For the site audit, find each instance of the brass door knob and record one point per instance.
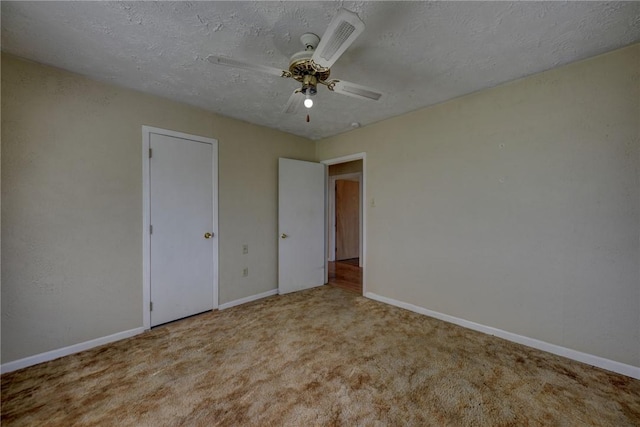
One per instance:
(284, 236)
(208, 235)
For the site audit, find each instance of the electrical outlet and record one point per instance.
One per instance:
(245, 249)
(245, 272)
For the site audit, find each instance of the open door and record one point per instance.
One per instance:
(301, 224)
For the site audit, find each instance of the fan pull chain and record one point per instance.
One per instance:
(307, 118)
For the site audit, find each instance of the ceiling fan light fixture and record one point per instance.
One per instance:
(308, 102)
(309, 90)
(309, 85)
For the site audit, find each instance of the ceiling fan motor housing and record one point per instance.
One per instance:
(303, 69)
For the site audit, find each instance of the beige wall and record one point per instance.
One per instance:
(516, 207)
(72, 209)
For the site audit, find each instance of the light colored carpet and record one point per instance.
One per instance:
(319, 357)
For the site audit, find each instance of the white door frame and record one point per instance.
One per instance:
(146, 215)
(356, 176)
(363, 223)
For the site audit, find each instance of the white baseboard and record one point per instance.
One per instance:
(590, 359)
(76, 348)
(247, 299)
(65, 351)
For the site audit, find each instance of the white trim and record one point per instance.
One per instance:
(146, 239)
(247, 299)
(590, 359)
(66, 351)
(356, 176)
(363, 195)
(327, 233)
(215, 230)
(146, 244)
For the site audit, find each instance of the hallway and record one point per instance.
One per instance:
(346, 274)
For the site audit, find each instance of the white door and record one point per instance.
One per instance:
(301, 221)
(182, 259)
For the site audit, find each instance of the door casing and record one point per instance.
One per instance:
(146, 217)
(363, 220)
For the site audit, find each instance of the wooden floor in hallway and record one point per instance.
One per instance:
(346, 274)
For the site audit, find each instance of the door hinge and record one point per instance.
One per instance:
(151, 229)
(150, 153)
(150, 306)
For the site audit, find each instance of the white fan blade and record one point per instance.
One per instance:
(294, 102)
(221, 60)
(355, 90)
(341, 33)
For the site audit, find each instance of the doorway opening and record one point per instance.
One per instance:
(345, 222)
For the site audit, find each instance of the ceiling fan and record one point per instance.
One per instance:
(312, 66)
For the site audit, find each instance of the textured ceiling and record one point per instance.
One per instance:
(417, 53)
